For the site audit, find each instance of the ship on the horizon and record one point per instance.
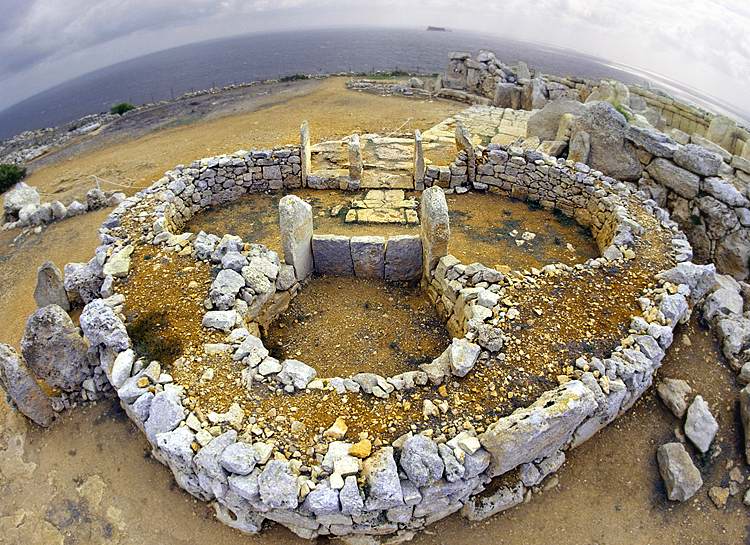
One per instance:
(437, 29)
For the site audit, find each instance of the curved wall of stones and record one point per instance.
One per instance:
(415, 481)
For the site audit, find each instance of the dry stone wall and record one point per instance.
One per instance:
(417, 479)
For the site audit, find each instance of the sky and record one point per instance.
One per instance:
(704, 44)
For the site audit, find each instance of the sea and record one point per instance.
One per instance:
(172, 72)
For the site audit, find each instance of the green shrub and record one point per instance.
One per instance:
(10, 175)
(294, 77)
(121, 108)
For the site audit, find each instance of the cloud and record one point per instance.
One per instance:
(703, 43)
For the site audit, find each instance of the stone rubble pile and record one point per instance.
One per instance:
(22, 206)
(359, 488)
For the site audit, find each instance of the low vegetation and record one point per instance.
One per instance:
(10, 175)
(121, 108)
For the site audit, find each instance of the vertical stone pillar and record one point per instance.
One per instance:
(419, 166)
(463, 142)
(296, 226)
(304, 151)
(50, 289)
(436, 231)
(355, 159)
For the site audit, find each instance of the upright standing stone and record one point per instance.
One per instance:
(305, 153)
(50, 289)
(419, 166)
(463, 142)
(55, 350)
(435, 227)
(355, 158)
(21, 386)
(296, 226)
(745, 418)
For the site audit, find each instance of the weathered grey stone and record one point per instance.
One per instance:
(421, 460)
(681, 181)
(653, 141)
(50, 289)
(482, 507)
(464, 143)
(323, 500)
(435, 228)
(700, 424)
(296, 226)
(579, 148)
(699, 278)
(225, 288)
(539, 430)
(355, 158)
(246, 486)
(454, 470)
(745, 418)
(20, 384)
(305, 153)
(368, 256)
(698, 159)
(82, 282)
(223, 320)
(722, 303)
(238, 458)
(296, 373)
(681, 478)
(381, 475)
(177, 447)
(233, 260)
(286, 278)
(674, 393)
(546, 122)
(54, 349)
(419, 164)
(463, 356)
(350, 497)
(403, 258)
(122, 368)
(733, 254)
(609, 151)
(16, 198)
(101, 326)
(332, 255)
(165, 414)
(278, 486)
(118, 264)
(725, 192)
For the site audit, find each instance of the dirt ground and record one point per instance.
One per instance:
(90, 479)
(261, 121)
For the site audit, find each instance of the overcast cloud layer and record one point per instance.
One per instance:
(701, 43)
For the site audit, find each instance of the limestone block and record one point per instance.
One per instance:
(332, 255)
(19, 382)
(50, 289)
(368, 256)
(296, 226)
(403, 258)
(419, 164)
(539, 430)
(435, 228)
(356, 165)
(305, 152)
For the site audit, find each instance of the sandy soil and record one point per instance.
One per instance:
(260, 121)
(90, 479)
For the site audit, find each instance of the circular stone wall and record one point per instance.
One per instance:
(540, 359)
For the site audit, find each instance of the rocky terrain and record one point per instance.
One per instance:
(616, 314)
